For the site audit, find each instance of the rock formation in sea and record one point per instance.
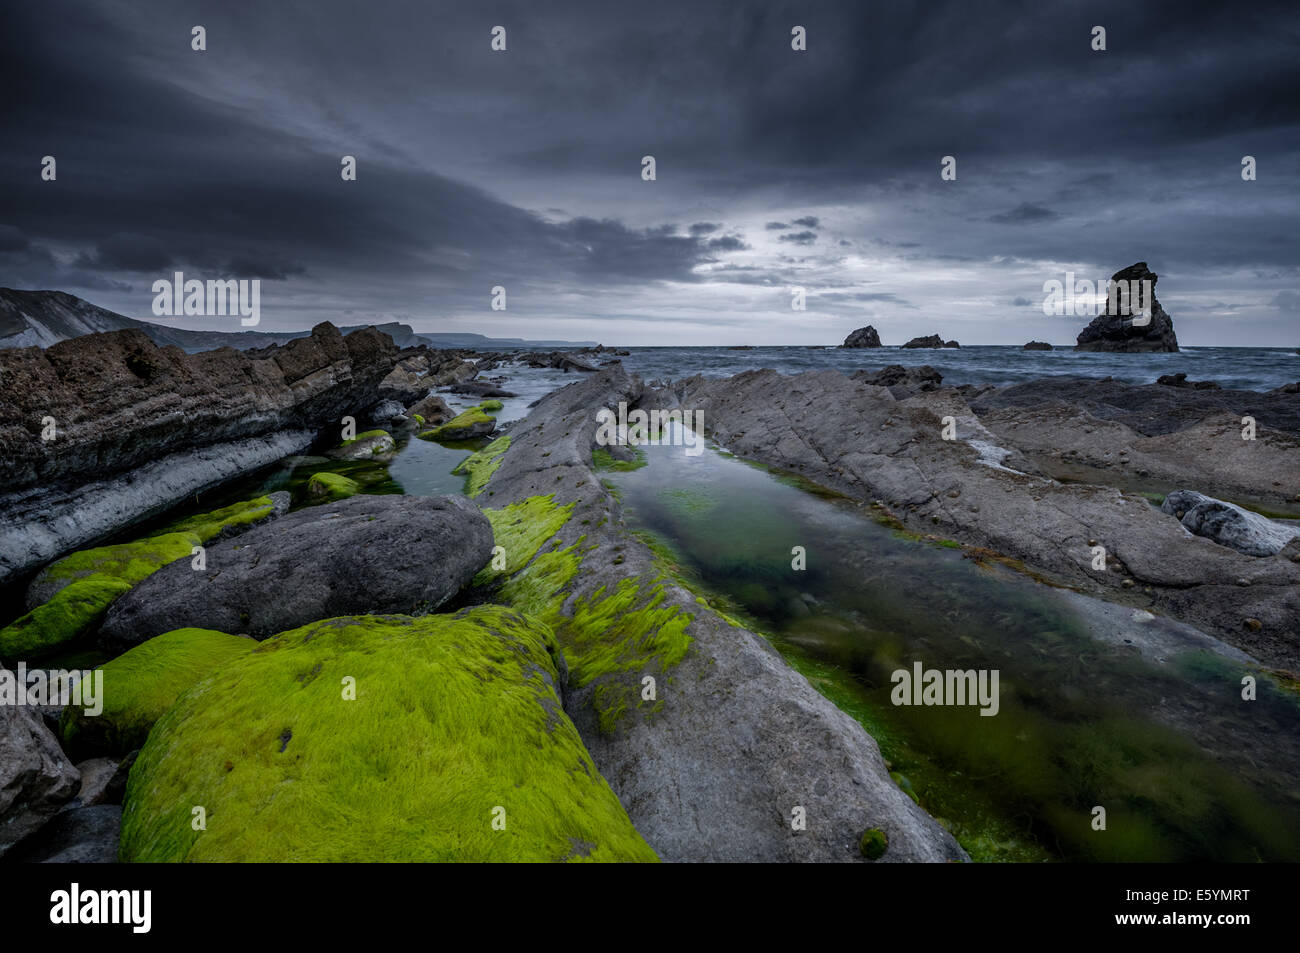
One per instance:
(932, 340)
(1037, 346)
(862, 337)
(1130, 322)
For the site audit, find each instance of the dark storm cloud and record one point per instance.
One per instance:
(1026, 213)
(522, 168)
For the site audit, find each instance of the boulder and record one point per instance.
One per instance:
(334, 486)
(457, 723)
(481, 389)
(145, 682)
(36, 777)
(1228, 525)
(1122, 327)
(467, 425)
(433, 410)
(372, 445)
(862, 337)
(365, 554)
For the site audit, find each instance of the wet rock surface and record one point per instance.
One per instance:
(366, 554)
(740, 738)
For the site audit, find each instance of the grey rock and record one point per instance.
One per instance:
(1227, 524)
(902, 381)
(433, 409)
(36, 777)
(366, 554)
(712, 776)
(1114, 329)
(1180, 380)
(862, 337)
(1037, 346)
(476, 389)
(97, 778)
(387, 410)
(85, 835)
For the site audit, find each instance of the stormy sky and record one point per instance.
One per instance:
(775, 168)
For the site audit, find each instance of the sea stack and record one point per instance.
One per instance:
(862, 337)
(932, 341)
(1115, 329)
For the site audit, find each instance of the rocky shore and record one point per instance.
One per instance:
(1044, 474)
(408, 637)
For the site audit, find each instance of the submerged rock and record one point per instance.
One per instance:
(332, 486)
(1180, 380)
(862, 337)
(1228, 525)
(1120, 327)
(454, 747)
(364, 554)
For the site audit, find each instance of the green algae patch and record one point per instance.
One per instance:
(75, 609)
(522, 528)
(873, 843)
(492, 405)
(468, 423)
(379, 738)
(331, 486)
(140, 685)
(479, 467)
(207, 526)
(102, 574)
(363, 436)
(604, 460)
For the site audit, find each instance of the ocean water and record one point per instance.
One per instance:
(1235, 368)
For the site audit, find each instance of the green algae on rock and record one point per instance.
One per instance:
(473, 422)
(479, 467)
(331, 486)
(73, 593)
(379, 738)
(142, 684)
(873, 843)
(76, 609)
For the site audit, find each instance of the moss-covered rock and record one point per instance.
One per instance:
(75, 610)
(69, 597)
(331, 486)
(466, 425)
(142, 684)
(371, 445)
(454, 723)
(612, 637)
(492, 404)
(479, 467)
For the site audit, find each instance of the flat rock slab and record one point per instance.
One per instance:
(367, 554)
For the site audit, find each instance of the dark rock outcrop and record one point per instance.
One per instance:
(366, 554)
(1180, 380)
(150, 426)
(1037, 346)
(1121, 327)
(862, 337)
(902, 381)
(932, 340)
(84, 835)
